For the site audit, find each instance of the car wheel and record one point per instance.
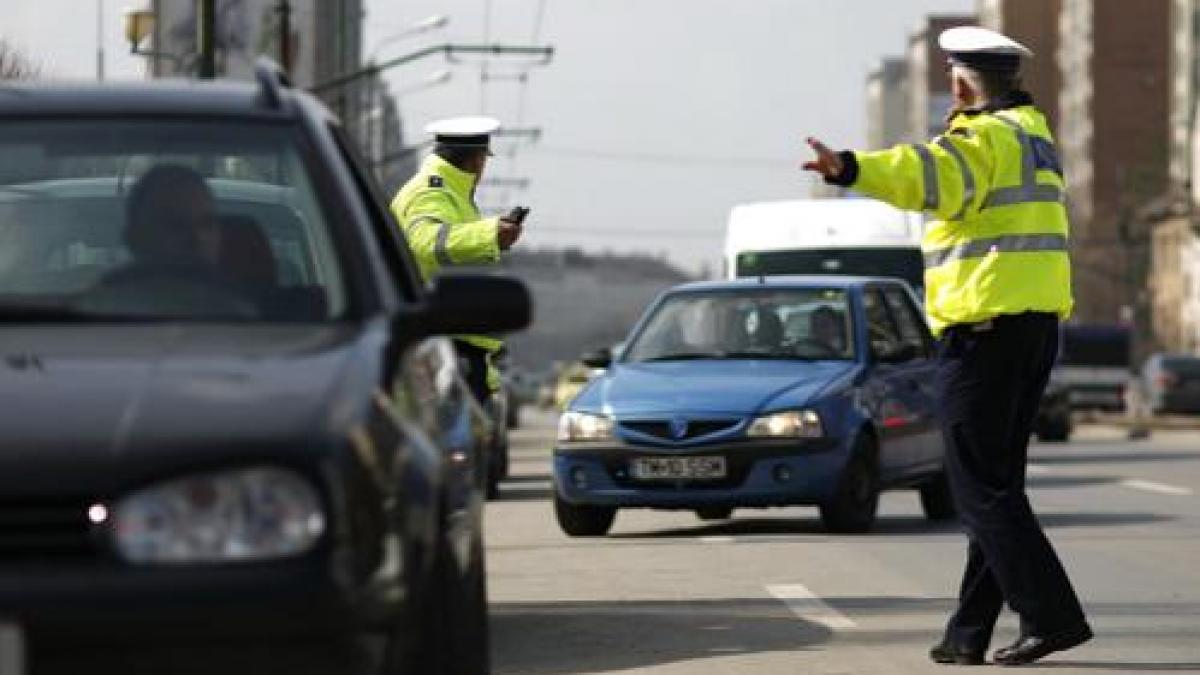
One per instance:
(448, 635)
(852, 508)
(578, 520)
(936, 499)
(714, 513)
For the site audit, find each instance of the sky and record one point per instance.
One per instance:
(657, 116)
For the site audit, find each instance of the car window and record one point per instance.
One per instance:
(911, 326)
(188, 220)
(810, 323)
(882, 334)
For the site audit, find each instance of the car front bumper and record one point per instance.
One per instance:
(761, 473)
(106, 603)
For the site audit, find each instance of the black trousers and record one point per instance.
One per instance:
(475, 360)
(989, 384)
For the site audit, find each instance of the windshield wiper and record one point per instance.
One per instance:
(764, 355)
(685, 356)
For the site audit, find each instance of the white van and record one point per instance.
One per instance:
(861, 237)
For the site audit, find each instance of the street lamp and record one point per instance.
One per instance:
(428, 24)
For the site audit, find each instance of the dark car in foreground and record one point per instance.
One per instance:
(230, 438)
(778, 391)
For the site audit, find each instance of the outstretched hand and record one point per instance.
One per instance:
(827, 162)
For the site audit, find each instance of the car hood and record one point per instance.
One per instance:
(738, 387)
(88, 396)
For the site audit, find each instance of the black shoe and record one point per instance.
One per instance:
(1030, 648)
(944, 652)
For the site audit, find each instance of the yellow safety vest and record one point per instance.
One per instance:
(436, 208)
(997, 243)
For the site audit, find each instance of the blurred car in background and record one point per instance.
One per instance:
(1171, 383)
(1053, 423)
(766, 392)
(1094, 364)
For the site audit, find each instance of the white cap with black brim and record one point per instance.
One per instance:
(983, 49)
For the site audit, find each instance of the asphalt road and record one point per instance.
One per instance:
(771, 592)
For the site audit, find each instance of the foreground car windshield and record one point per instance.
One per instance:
(805, 324)
(160, 219)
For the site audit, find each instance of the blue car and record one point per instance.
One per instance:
(776, 391)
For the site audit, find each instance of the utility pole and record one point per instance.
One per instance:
(100, 40)
(285, 35)
(206, 38)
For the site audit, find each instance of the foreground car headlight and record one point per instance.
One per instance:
(789, 424)
(234, 516)
(580, 426)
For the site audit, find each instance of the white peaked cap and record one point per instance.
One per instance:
(973, 40)
(462, 127)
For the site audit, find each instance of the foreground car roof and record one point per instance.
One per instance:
(162, 97)
(806, 281)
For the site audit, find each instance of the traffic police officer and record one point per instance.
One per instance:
(998, 280)
(437, 210)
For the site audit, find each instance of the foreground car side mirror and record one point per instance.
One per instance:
(470, 303)
(599, 358)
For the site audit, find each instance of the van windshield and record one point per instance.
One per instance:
(898, 262)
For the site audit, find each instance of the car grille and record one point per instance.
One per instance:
(41, 529)
(695, 428)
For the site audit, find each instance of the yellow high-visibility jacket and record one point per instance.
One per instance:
(436, 208)
(997, 241)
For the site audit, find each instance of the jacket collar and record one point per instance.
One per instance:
(456, 179)
(1013, 99)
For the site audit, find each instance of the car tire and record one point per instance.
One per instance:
(852, 508)
(448, 634)
(714, 513)
(580, 520)
(936, 500)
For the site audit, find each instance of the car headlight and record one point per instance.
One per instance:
(789, 424)
(580, 426)
(245, 515)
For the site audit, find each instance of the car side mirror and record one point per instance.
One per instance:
(600, 358)
(470, 303)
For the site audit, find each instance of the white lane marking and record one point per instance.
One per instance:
(526, 487)
(1161, 488)
(1037, 470)
(717, 539)
(806, 605)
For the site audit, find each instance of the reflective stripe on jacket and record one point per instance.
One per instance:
(997, 241)
(436, 208)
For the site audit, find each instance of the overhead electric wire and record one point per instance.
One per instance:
(724, 161)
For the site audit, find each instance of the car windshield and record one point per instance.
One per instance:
(805, 324)
(158, 219)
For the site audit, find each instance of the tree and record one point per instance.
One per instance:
(14, 65)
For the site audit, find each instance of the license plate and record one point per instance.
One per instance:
(678, 468)
(12, 649)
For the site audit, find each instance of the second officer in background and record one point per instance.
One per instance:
(437, 210)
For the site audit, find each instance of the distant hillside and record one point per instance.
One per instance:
(583, 300)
